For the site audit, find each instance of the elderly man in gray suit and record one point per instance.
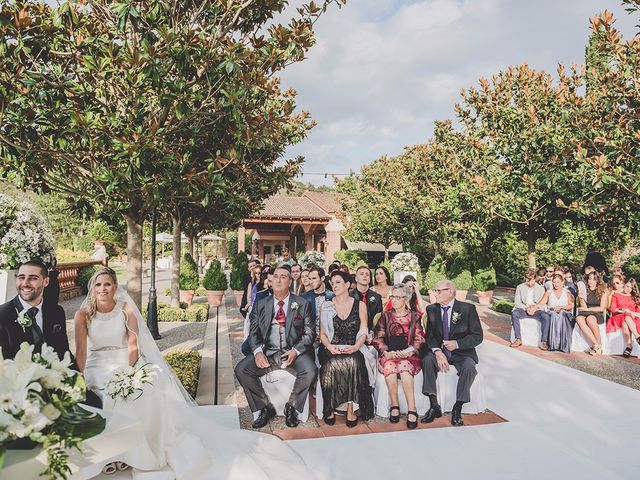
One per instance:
(282, 330)
(528, 294)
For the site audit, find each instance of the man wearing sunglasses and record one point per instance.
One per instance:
(453, 335)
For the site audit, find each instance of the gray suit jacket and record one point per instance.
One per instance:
(520, 300)
(300, 329)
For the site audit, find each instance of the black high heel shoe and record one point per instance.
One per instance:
(352, 423)
(330, 421)
(394, 418)
(412, 424)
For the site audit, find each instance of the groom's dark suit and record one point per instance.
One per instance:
(464, 328)
(299, 334)
(54, 329)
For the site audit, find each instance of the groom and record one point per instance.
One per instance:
(282, 330)
(453, 335)
(43, 322)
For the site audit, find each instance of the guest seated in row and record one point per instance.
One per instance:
(616, 285)
(304, 281)
(399, 336)
(528, 294)
(345, 377)
(581, 285)
(383, 285)
(541, 276)
(625, 314)
(559, 304)
(417, 303)
(592, 309)
(371, 300)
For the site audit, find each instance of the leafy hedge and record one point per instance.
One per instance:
(197, 312)
(503, 306)
(84, 275)
(186, 365)
(631, 267)
(351, 258)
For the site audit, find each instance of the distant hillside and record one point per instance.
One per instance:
(299, 188)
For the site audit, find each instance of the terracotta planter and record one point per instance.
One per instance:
(484, 298)
(214, 297)
(432, 296)
(461, 295)
(186, 296)
(238, 294)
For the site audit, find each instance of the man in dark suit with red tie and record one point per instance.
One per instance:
(454, 331)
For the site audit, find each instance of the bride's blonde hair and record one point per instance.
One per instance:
(92, 305)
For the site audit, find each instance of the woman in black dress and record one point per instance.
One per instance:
(343, 372)
(592, 310)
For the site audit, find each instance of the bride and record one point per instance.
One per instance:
(181, 441)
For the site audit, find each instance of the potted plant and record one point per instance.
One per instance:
(484, 281)
(404, 264)
(239, 273)
(189, 279)
(460, 275)
(437, 271)
(215, 281)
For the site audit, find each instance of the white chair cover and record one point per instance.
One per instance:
(530, 331)
(616, 344)
(381, 396)
(447, 383)
(579, 342)
(278, 385)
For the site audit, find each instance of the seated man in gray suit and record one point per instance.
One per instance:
(528, 294)
(282, 329)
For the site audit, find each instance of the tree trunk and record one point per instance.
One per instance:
(531, 246)
(192, 246)
(386, 253)
(134, 258)
(175, 268)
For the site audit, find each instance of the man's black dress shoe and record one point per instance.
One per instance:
(432, 414)
(266, 414)
(456, 417)
(290, 415)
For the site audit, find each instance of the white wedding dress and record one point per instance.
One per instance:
(181, 442)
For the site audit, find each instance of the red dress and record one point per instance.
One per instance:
(414, 333)
(619, 300)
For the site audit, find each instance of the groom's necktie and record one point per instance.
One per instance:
(445, 329)
(38, 336)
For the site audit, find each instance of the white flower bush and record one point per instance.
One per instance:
(405, 262)
(24, 234)
(312, 257)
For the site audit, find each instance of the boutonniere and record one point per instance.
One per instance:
(455, 317)
(295, 306)
(372, 299)
(24, 320)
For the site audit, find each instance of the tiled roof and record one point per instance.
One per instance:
(282, 206)
(327, 201)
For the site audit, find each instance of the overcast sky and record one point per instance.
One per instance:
(383, 70)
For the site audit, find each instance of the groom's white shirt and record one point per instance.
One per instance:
(26, 306)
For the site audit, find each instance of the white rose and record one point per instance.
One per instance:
(50, 411)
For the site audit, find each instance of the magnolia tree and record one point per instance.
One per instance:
(133, 103)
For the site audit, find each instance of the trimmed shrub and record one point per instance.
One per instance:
(200, 292)
(503, 306)
(189, 279)
(484, 279)
(437, 271)
(197, 312)
(186, 366)
(463, 281)
(351, 258)
(84, 275)
(239, 271)
(215, 279)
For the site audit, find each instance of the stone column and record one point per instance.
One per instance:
(240, 239)
(334, 230)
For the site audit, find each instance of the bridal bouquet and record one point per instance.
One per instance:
(38, 397)
(312, 257)
(128, 381)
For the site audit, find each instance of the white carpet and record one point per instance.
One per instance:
(563, 424)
